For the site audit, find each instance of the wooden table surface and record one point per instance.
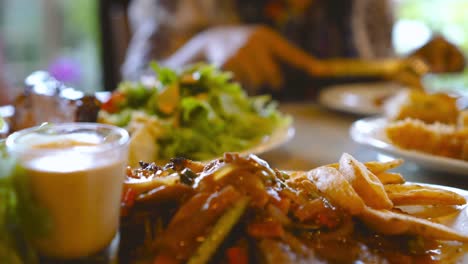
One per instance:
(321, 136)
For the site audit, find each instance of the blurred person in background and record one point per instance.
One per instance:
(274, 44)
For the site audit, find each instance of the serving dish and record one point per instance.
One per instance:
(370, 132)
(197, 113)
(272, 216)
(358, 98)
(280, 136)
(453, 218)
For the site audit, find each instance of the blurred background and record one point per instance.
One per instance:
(83, 42)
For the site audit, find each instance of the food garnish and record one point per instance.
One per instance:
(237, 209)
(198, 113)
(21, 218)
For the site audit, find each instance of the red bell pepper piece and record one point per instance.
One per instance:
(237, 255)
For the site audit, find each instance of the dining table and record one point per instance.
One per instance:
(322, 136)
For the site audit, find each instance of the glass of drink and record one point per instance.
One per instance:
(76, 172)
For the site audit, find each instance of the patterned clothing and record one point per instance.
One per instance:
(324, 28)
(318, 29)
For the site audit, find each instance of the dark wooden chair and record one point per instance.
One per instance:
(115, 36)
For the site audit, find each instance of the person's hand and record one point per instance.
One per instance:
(441, 56)
(252, 53)
(410, 72)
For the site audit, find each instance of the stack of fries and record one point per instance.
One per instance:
(371, 193)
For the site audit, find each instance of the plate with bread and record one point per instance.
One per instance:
(429, 129)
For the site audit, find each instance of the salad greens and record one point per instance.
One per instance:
(21, 220)
(197, 113)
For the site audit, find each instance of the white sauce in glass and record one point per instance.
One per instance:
(82, 195)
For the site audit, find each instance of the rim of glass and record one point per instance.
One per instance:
(122, 138)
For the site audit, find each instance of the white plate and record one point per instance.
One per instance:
(358, 98)
(280, 136)
(370, 132)
(140, 150)
(455, 218)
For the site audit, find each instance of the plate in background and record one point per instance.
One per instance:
(279, 136)
(370, 132)
(358, 98)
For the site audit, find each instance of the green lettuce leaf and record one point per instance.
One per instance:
(21, 218)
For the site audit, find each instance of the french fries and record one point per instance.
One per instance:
(369, 192)
(336, 188)
(391, 223)
(381, 167)
(414, 194)
(366, 184)
(390, 178)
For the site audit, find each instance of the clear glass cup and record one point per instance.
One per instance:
(76, 172)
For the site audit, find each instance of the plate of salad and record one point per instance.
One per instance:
(197, 113)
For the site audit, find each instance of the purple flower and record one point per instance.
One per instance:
(65, 70)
